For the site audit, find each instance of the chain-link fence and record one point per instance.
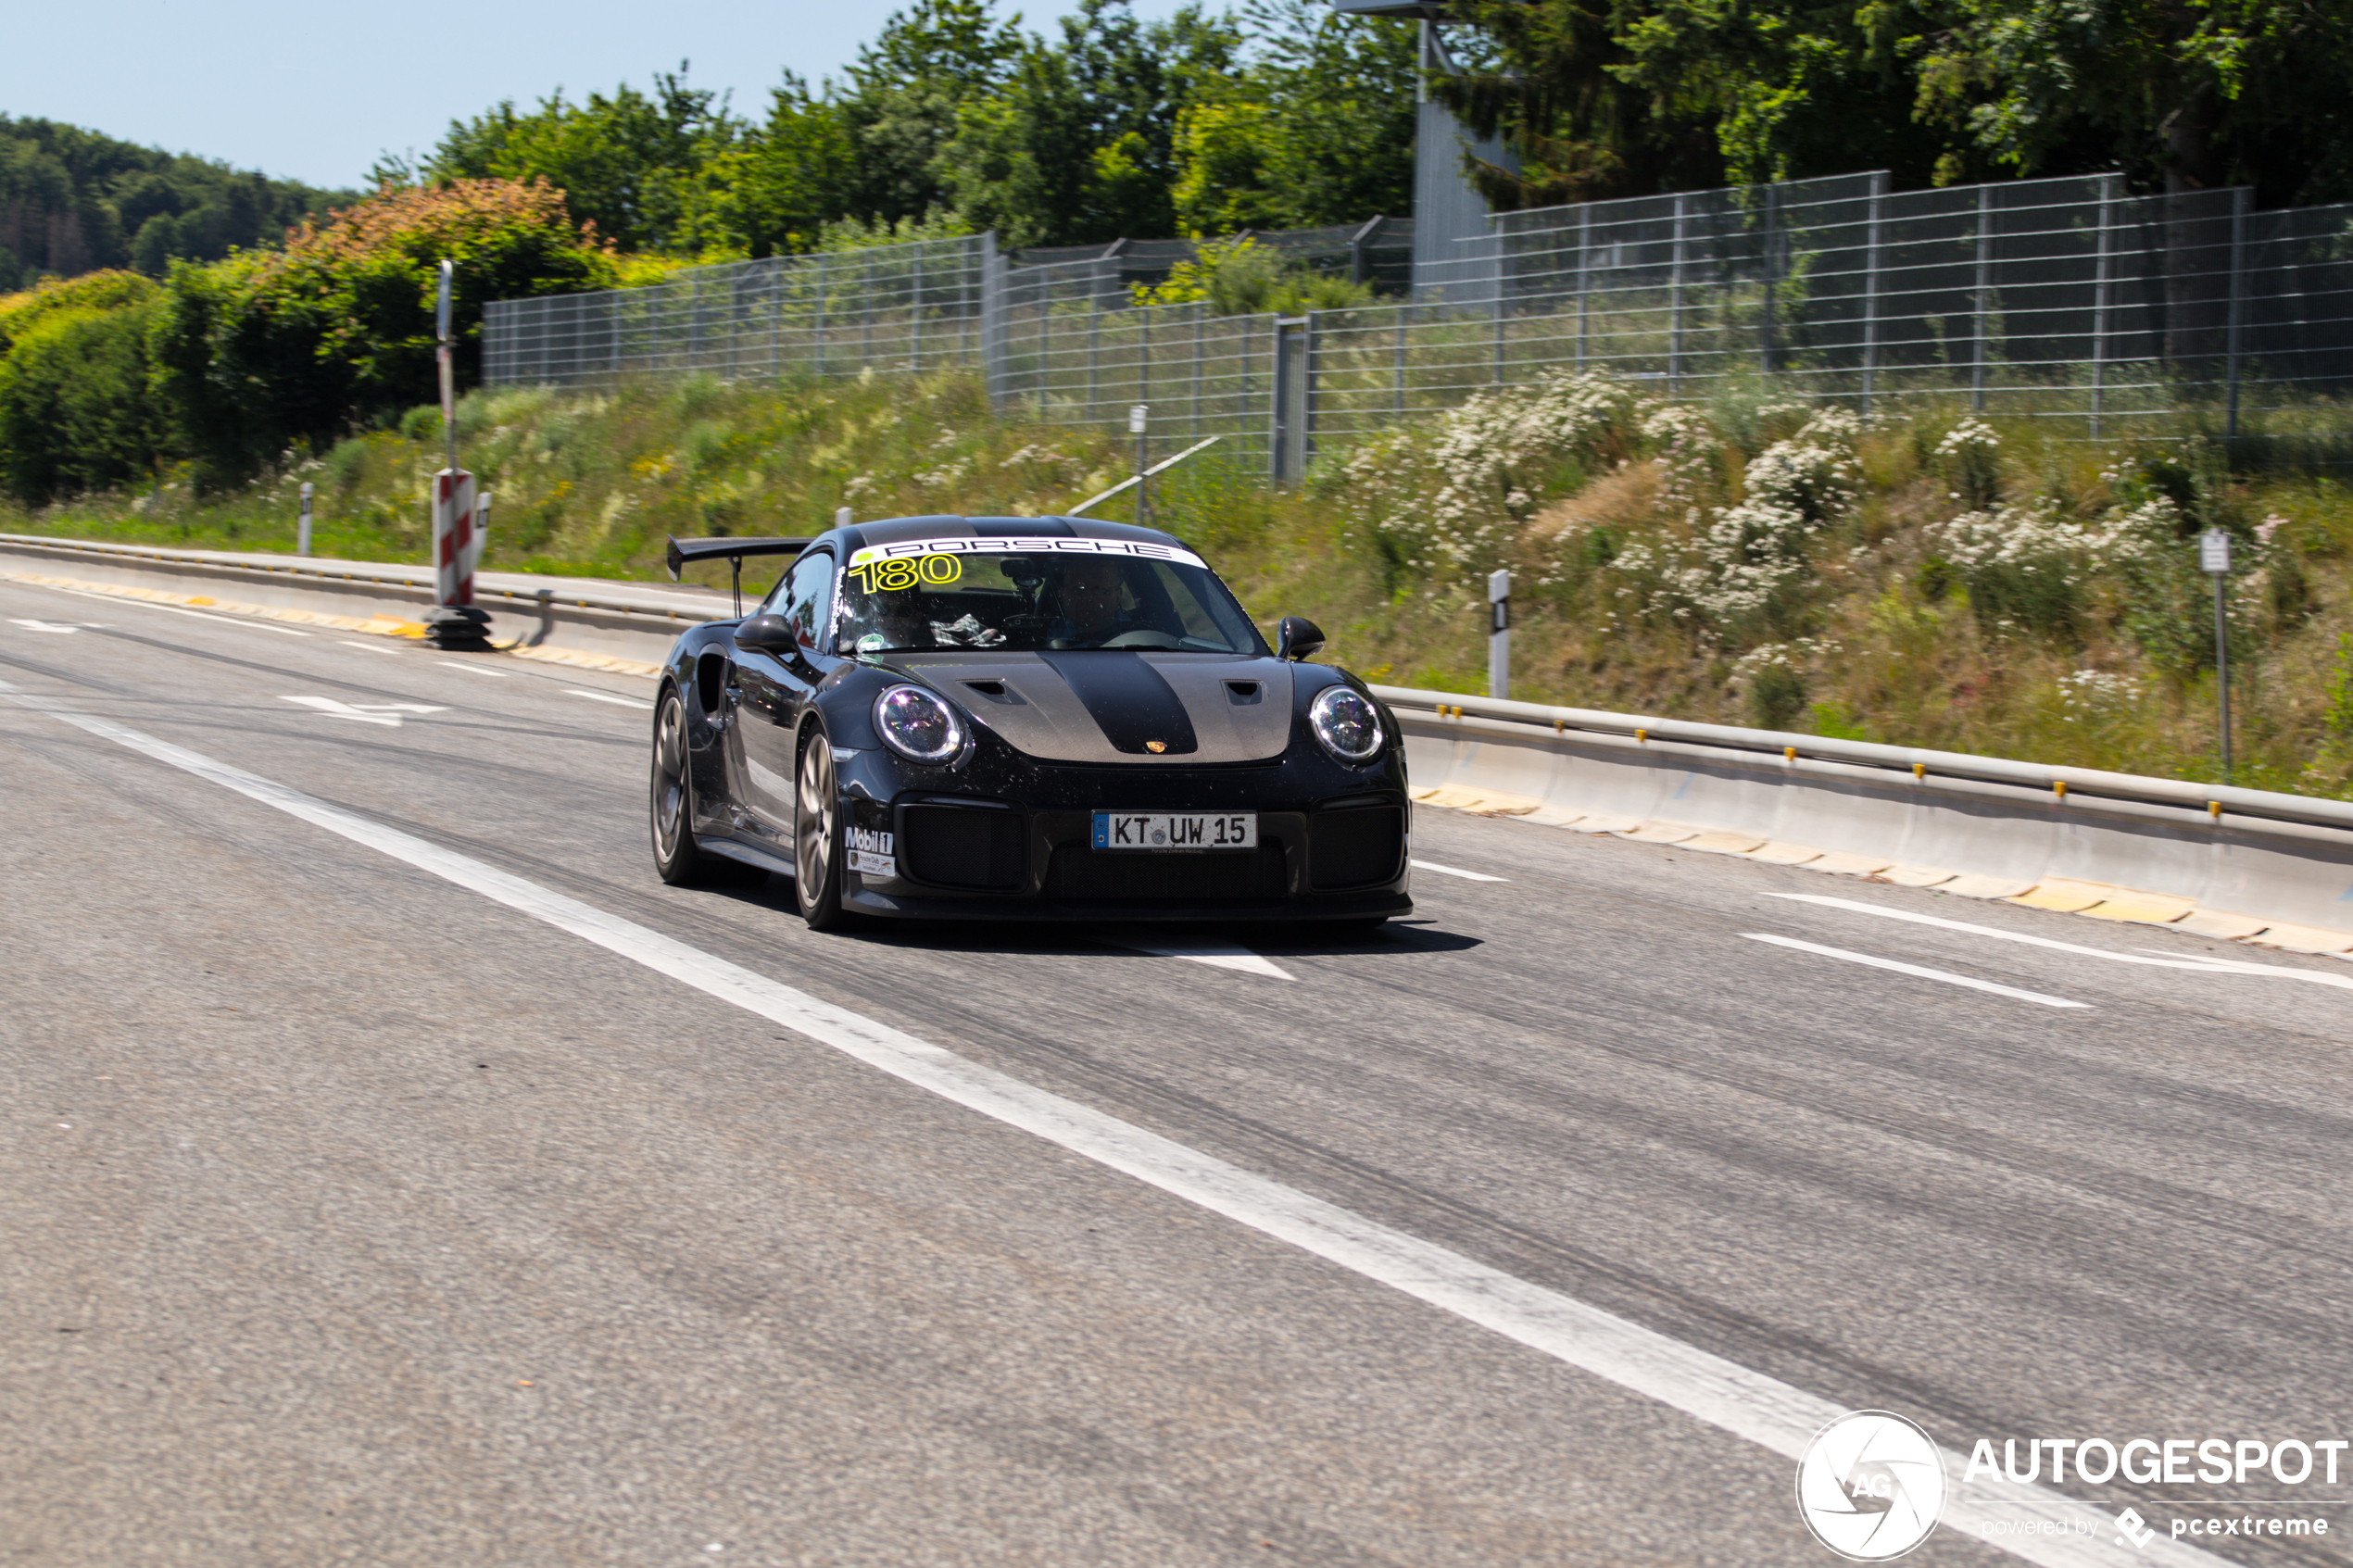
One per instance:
(2056, 298)
(892, 307)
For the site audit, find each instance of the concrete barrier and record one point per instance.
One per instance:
(2248, 864)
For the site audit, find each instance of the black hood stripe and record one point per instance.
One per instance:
(1128, 700)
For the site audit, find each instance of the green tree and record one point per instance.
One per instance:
(630, 163)
(72, 200)
(770, 189)
(1080, 144)
(1794, 88)
(904, 99)
(1317, 128)
(2182, 94)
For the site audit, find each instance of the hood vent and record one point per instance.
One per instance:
(1243, 692)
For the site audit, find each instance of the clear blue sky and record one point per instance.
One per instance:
(315, 92)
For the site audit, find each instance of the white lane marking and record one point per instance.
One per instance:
(42, 626)
(1946, 976)
(473, 668)
(606, 697)
(175, 609)
(1217, 955)
(385, 713)
(1748, 1404)
(2196, 962)
(1457, 870)
(371, 647)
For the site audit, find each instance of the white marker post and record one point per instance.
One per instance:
(457, 543)
(1499, 634)
(302, 530)
(2214, 559)
(1138, 417)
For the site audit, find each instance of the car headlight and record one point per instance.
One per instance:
(1346, 722)
(919, 725)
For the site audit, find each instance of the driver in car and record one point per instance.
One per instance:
(1088, 598)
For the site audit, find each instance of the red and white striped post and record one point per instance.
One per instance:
(457, 539)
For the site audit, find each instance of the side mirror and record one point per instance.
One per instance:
(1297, 638)
(768, 633)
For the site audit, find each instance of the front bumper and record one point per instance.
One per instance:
(1332, 846)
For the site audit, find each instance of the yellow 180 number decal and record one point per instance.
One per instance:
(924, 571)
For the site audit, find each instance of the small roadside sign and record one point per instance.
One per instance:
(2214, 551)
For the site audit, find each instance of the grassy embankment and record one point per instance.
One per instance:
(1993, 586)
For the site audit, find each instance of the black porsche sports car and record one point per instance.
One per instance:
(1032, 718)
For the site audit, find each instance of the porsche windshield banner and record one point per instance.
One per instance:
(1010, 545)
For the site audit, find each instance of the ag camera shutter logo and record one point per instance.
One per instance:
(1870, 1485)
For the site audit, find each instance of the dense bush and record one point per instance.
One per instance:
(75, 411)
(231, 363)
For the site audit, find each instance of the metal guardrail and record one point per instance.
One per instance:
(619, 599)
(1525, 721)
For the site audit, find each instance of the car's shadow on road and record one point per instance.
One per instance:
(1300, 940)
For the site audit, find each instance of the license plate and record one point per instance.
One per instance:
(1175, 829)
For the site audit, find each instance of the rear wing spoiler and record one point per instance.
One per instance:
(733, 551)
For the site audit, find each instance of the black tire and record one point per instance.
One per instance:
(678, 860)
(817, 837)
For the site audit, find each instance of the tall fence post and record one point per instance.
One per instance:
(993, 368)
(1309, 369)
(867, 315)
(1495, 370)
(1985, 291)
(1675, 315)
(1201, 360)
(1772, 264)
(1094, 351)
(779, 269)
(1584, 277)
(1873, 239)
(2234, 343)
(916, 319)
(824, 297)
(1403, 312)
(2100, 298)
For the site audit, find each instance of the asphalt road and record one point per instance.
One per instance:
(349, 1215)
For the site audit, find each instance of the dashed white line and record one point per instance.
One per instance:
(385, 713)
(175, 609)
(1217, 955)
(2196, 962)
(42, 626)
(1457, 871)
(472, 669)
(1748, 1404)
(371, 647)
(1925, 974)
(606, 697)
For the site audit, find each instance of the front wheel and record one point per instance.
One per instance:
(817, 852)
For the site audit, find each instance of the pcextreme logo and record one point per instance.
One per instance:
(1870, 1485)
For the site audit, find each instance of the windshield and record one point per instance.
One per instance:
(930, 594)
